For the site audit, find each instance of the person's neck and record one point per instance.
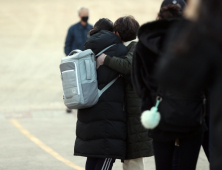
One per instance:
(83, 23)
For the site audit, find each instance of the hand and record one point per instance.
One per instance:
(100, 60)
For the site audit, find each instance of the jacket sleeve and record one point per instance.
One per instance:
(68, 42)
(139, 84)
(121, 65)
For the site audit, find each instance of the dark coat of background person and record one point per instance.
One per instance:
(152, 39)
(199, 67)
(76, 37)
(101, 129)
(138, 143)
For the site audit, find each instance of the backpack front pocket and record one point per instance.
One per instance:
(69, 84)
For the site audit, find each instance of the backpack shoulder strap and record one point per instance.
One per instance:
(107, 86)
(104, 50)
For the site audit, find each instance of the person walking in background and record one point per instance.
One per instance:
(138, 144)
(194, 62)
(182, 116)
(101, 130)
(78, 34)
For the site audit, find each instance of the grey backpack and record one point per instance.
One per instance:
(79, 79)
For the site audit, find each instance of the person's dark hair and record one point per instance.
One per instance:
(102, 24)
(170, 11)
(182, 3)
(208, 24)
(127, 27)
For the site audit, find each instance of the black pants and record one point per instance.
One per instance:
(176, 158)
(99, 163)
(188, 153)
(206, 138)
(205, 144)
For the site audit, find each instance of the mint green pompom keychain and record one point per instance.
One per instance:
(151, 118)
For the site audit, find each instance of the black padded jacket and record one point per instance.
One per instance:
(101, 129)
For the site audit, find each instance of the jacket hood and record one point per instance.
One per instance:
(153, 34)
(101, 40)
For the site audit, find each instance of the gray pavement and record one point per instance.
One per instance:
(54, 128)
(32, 35)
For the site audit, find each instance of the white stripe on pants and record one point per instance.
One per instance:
(106, 164)
(133, 164)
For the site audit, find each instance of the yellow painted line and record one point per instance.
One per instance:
(43, 146)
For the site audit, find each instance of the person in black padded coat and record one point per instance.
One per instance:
(175, 109)
(194, 62)
(101, 129)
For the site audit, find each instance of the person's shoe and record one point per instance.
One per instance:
(68, 110)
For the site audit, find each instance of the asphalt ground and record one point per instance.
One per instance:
(35, 131)
(44, 139)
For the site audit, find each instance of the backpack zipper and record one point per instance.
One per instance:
(77, 78)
